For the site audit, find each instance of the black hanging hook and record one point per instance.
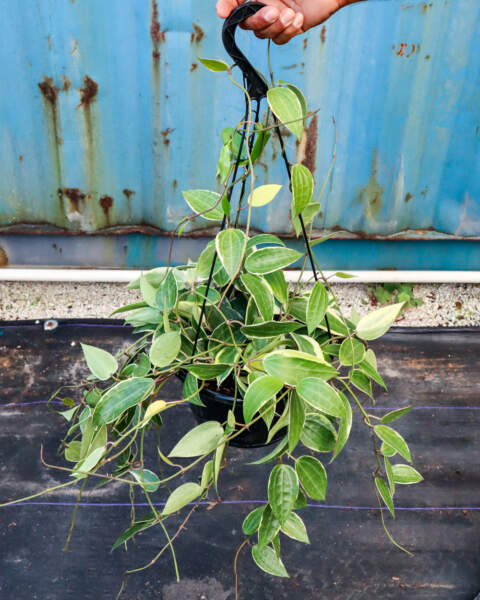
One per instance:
(256, 86)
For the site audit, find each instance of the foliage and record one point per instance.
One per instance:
(385, 293)
(271, 345)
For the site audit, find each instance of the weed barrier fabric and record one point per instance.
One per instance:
(436, 370)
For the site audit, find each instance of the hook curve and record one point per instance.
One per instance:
(256, 86)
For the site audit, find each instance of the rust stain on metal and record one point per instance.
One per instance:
(311, 134)
(174, 184)
(194, 67)
(427, 57)
(89, 91)
(128, 193)
(412, 51)
(408, 197)
(76, 198)
(106, 202)
(67, 84)
(197, 35)
(305, 43)
(50, 96)
(20, 158)
(371, 195)
(425, 6)
(156, 34)
(323, 34)
(166, 136)
(3, 258)
(401, 49)
(294, 66)
(49, 90)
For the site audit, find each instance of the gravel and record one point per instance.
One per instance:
(443, 304)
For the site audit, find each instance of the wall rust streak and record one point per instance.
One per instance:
(323, 34)
(311, 145)
(371, 195)
(106, 202)
(156, 34)
(76, 199)
(88, 95)
(408, 197)
(50, 105)
(197, 35)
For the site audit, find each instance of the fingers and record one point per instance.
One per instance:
(225, 7)
(291, 31)
(262, 19)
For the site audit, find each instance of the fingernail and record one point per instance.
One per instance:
(287, 17)
(270, 15)
(298, 21)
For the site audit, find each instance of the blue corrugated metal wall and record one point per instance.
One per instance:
(105, 115)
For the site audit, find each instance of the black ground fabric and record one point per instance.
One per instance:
(437, 371)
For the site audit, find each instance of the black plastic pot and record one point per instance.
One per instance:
(216, 408)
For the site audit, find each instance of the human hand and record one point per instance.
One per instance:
(281, 20)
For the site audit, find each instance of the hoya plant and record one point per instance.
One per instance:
(291, 365)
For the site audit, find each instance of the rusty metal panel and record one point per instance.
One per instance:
(105, 115)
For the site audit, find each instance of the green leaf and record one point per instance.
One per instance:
(302, 188)
(167, 293)
(268, 260)
(267, 559)
(301, 501)
(207, 474)
(395, 414)
(206, 371)
(387, 450)
(101, 363)
(317, 306)
(140, 525)
(270, 329)
(312, 476)
(230, 244)
(389, 473)
(292, 366)
(129, 307)
(214, 65)
(264, 238)
(296, 421)
(185, 493)
(299, 95)
(352, 352)
(263, 194)
(261, 293)
(252, 521)
(205, 261)
(200, 440)
(361, 381)
(88, 465)
(371, 371)
(165, 348)
(258, 394)
(287, 108)
(275, 453)
(200, 201)
(321, 396)
(345, 427)
(393, 439)
(378, 322)
(269, 527)
(73, 451)
(384, 492)
(279, 285)
(307, 344)
(149, 292)
(142, 366)
(148, 480)
(282, 491)
(318, 433)
(342, 275)
(68, 414)
(190, 390)
(120, 398)
(295, 528)
(217, 464)
(405, 475)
